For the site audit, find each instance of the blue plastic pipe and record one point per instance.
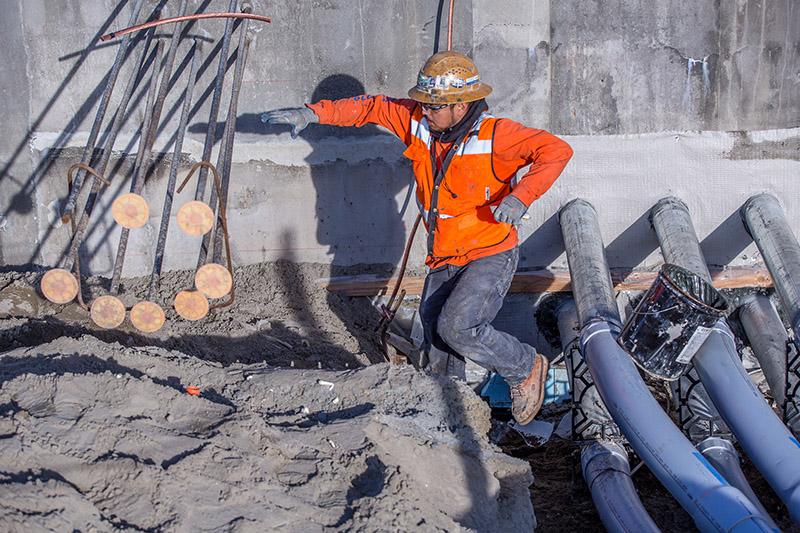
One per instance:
(762, 435)
(608, 474)
(713, 504)
(605, 462)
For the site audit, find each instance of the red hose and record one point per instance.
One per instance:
(183, 18)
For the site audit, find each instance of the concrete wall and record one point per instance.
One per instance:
(698, 100)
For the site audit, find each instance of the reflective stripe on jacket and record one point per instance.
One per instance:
(456, 208)
(479, 176)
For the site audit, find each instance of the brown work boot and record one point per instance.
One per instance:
(527, 398)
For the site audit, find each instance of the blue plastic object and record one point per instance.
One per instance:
(499, 394)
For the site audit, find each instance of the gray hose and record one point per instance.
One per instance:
(699, 488)
(765, 439)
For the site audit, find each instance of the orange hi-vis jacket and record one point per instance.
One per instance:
(456, 206)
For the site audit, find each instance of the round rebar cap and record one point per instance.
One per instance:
(107, 311)
(213, 280)
(59, 286)
(130, 211)
(195, 218)
(191, 305)
(147, 316)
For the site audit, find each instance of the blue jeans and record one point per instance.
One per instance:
(457, 308)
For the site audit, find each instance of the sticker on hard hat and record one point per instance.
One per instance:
(443, 82)
(426, 82)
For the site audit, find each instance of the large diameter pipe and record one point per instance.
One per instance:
(713, 504)
(763, 436)
(605, 463)
(608, 475)
(768, 338)
(591, 280)
(725, 459)
(766, 222)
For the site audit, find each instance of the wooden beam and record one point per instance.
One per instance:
(539, 281)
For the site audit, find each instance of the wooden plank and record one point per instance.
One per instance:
(539, 281)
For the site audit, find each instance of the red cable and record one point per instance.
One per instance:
(184, 17)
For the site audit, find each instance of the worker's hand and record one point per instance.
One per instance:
(296, 118)
(510, 210)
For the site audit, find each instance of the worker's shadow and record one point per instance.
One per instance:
(357, 174)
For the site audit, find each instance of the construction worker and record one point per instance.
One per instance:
(465, 163)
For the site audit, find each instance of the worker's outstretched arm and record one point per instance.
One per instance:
(365, 109)
(298, 118)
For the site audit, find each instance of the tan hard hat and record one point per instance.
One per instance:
(449, 78)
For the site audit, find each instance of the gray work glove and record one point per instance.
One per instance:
(296, 118)
(510, 210)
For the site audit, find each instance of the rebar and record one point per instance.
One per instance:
(71, 256)
(142, 161)
(226, 150)
(97, 177)
(223, 222)
(69, 207)
(149, 132)
(214, 111)
(173, 173)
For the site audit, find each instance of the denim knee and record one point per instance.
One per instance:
(456, 331)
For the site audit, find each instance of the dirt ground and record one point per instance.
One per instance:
(299, 424)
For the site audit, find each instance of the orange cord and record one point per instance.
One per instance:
(183, 18)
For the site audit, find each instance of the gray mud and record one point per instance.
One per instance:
(298, 425)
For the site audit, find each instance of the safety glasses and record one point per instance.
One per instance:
(429, 107)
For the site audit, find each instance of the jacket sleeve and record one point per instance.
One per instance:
(516, 146)
(395, 115)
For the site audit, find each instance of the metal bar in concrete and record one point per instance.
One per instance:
(69, 207)
(149, 132)
(172, 20)
(765, 439)
(224, 226)
(225, 157)
(215, 100)
(196, 53)
(699, 488)
(142, 160)
(78, 231)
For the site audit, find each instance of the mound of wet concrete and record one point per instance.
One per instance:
(95, 435)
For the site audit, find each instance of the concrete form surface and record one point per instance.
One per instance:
(697, 100)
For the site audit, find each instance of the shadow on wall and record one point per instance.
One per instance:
(358, 218)
(355, 204)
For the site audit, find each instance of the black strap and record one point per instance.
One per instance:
(437, 180)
